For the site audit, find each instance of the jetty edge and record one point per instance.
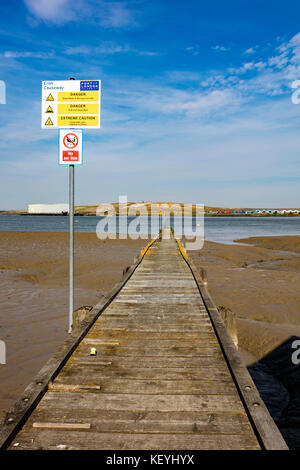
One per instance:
(262, 423)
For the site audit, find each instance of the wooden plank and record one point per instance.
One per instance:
(142, 323)
(146, 284)
(161, 291)
(112, 328)
(142, 386)
(96, 371)
(129, 309)
(172, 352)
(153, 361)
(62, 425)
(117, 314)
(167, 329)
(151, 422)
(156, 335)
(167, 299)
(100, 342)
(58, 386)
(145, 402)
(136, 341)
(42, 439)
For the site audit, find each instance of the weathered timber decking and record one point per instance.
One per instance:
(160, 379)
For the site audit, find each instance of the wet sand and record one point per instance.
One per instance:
(34, 295)
(258, 283)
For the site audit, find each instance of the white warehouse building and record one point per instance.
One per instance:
(48, 208)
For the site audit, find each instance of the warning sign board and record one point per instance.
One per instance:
(72, 103)
(70, 147)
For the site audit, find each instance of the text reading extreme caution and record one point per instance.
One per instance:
(71, 103)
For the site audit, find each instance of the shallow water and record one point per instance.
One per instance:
(217, 229)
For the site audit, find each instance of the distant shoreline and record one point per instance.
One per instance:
(117, 215)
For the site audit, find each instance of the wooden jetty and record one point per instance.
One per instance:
(166, 375)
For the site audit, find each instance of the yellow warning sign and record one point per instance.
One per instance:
(50, 97)
(71, 120)
(78, 108)
(71, 104)
(78, 96)
(49, 122)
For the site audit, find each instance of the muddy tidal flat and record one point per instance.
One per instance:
(34, 295)
(258, 280)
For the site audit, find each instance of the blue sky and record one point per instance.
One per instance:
(196, 100)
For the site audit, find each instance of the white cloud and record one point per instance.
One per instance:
(278, 61)
(27, 54)
(295, 41)
(78, 50)
(145, 98)
(183, 76)
(251, 50)
(193, 50)
(53, 11)
(107, 48)
(219, 48)
(198, 103)
(247, 66)
(147, 53)
(59, 12)
(271, 76)
(116, 15)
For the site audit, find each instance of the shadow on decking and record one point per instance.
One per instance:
(278, 382)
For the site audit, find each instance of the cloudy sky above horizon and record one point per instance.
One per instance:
(196, 100)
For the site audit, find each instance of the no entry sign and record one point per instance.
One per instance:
(70, 147)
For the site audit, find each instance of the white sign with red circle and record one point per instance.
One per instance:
(70, 140)
(70, 147)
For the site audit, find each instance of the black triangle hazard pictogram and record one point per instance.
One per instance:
(50, 97)
(49, 122)
(49, 110)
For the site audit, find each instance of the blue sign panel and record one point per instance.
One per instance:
(91, 85)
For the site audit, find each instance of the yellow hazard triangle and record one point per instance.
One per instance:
(49, 122)
(50, 97)
(49, 110)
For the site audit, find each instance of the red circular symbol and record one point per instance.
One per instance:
(70, 141)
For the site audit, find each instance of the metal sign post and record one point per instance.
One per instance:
(70, 153)
(68, 105)
(71, 246)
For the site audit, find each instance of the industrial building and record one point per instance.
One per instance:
(48, 209)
